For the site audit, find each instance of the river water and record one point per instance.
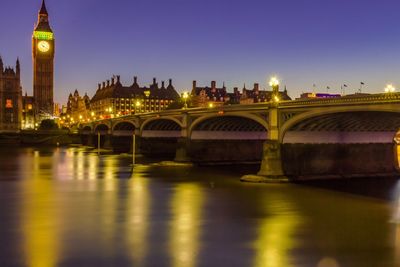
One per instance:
(69, 207)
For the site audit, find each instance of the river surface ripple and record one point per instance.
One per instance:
(68, 207)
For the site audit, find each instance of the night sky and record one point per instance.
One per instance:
(322, 42)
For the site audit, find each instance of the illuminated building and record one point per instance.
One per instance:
(213, 96)
(208, 96)
(28, 113)
(43, 50)
(114, 99)
(10, 98)
(318, 95)
(255, 95)
(78, 107)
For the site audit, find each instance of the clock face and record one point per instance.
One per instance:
(43, 46)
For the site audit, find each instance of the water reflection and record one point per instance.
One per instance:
(66, 208)
(185, 231)
(40, 221)
(276, 234)
(139, 218)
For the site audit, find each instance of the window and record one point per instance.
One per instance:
(9, 103)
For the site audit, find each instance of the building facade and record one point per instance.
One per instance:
(28, 112)
(114, 99)
(43, 50)
(208, 96)
(213, 96)
(10, 98)
(78, 107)
(255, 95)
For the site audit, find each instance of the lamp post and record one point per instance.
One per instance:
(274, 83)
(137, 106)
(185, 96)
(389, 89)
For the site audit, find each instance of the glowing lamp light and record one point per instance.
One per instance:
(138, 104)
(185, 95)
(390, 88)
(210, 105)
(273, 82)
(276, 98)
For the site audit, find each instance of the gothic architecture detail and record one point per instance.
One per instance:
(10, 98)
(43, 50)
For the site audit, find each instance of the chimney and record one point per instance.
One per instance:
(108, 83)
(235, 90)
(104, 85)
(213, 86)
(162, 84)
(112, 81)
(194, 85)
(154, 81)
(135, 79)
(170, 82)
(118, 79)
(256, 88)
(99, 86)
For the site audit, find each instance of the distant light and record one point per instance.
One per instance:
(276, 98)
(210, 105)
(273, 82)
(185, 95)
(390, 88)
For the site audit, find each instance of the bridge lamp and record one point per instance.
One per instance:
(185, 96)
(274, 82)
(390, 88)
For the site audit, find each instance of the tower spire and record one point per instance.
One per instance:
(17, 67)
(43, 9)
(1, 65)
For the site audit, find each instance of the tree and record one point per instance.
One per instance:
(48, 125)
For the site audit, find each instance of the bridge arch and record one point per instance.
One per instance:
(86, 129)
(101, 128)
(230, 126)
(317, 120)
(124, 125)
(340, 142)
(161, 127)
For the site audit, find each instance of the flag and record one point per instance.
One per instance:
(344, 85)
(362, 83)
(328, 87)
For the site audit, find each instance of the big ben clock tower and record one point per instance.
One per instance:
(43, 65)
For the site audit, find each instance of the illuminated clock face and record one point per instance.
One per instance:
(43, 46)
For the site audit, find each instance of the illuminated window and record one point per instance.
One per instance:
(9, 103)
(29, 106)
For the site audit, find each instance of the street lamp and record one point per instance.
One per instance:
(185, 96)
(137, 105)
(274, 83)
(390, 88)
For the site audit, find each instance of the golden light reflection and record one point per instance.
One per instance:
(276, 240)
(93, 162)
(138, 226)
(40, 216)
(110, 170)
(185, 229)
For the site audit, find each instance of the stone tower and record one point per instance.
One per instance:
(10, 98)
(43, 49)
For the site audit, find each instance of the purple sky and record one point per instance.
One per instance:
(304, 42)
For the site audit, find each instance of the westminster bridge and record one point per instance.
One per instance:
(338, 137)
